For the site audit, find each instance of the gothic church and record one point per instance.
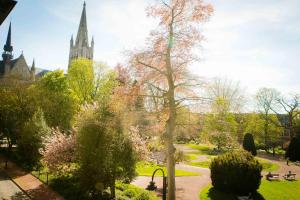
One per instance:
(81, 47)
(15, 68)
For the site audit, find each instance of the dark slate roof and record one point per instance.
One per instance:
(41, 72)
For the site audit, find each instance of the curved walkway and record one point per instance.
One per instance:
(8, 190)
(188, 187)
(33, 187)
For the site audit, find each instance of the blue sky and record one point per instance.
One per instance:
(255, 42)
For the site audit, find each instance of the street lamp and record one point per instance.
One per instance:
(153, 187)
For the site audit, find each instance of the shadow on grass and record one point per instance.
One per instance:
(214, 194)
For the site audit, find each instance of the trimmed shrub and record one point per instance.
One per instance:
(293, 151)
(236, 172)
(248, 144)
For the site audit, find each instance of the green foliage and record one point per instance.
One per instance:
(133, 192)
(81, 79)
(16, 107)
(220, 126)
(105, 152)
(31, 140)
(227, 170)
(55, 98)
(180, 156)
(248, 144)
(274, 190)
(293, 151)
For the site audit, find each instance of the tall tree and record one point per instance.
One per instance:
(228, 90)
(16, 107)
(56, 100)
(163, 63)
(266, 99)
(81, 79)
(220, 125)
(290, 107)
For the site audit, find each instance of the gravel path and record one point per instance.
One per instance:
(9, 191)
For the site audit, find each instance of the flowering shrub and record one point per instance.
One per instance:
(59, 152)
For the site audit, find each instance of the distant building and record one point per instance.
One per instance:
(15, 68)
(81, 47)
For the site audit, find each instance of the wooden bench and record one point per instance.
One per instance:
(271, 177)
(290, 177)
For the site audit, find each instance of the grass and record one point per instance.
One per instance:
(191, 156)
(203, 164)
(268, 166)
(202, 149)
(276, 190)
(147, 169)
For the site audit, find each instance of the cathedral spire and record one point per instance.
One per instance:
(82, 34)
(81, 48)
(7, 54)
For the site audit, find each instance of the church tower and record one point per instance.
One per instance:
(81, 47)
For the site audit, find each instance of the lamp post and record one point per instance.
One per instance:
(153, 187)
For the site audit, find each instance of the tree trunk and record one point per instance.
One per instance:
(266, 132)
(171, 121)
(113, 190)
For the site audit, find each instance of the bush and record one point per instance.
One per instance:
(293, 151)
(31, 140)
(248, 144)
(236, 172)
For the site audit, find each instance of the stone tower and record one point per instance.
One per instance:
(81, 47)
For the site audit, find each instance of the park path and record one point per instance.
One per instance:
(187, 187)
(283, 167)
(29, 184)
(8, 190)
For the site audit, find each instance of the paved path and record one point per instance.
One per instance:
(30, 184)
(187, 187)
(8, 190)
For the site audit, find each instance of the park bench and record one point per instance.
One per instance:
(271, 177)
(249, 197)
(290, 176)
(297, 163)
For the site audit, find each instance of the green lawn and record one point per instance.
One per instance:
(267, 165)
(276, 190)
(202, 149)
(204, 164)
(147, 169)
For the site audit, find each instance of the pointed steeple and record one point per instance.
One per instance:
(33, 66)
(71, 41)
(81, 48)
(7, 54)
(92, 43)
(82, 34)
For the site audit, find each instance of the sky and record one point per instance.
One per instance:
(256, 43)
